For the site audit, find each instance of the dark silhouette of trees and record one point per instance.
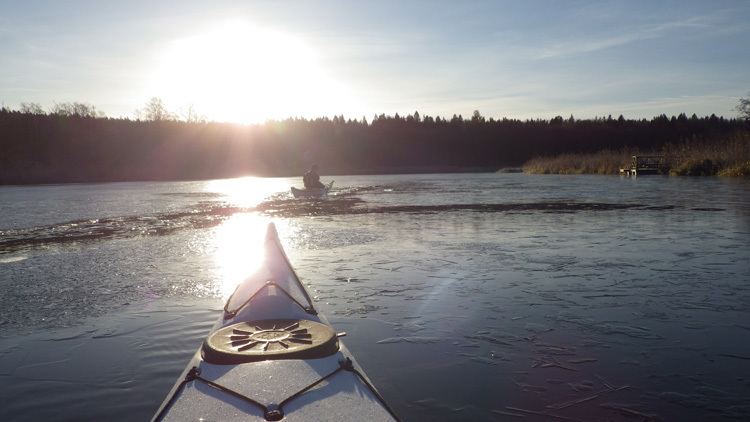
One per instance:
(74, 143)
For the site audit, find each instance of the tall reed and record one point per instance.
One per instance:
(726, 156)
(603, 162)
(729, 156)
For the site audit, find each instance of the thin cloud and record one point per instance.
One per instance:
(578, 47)
(584, 44)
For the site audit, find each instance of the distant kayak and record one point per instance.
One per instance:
(272, 357)
(307, 193)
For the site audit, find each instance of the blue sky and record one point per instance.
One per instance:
(248, 61)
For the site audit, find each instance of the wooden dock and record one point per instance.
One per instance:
(644, 164)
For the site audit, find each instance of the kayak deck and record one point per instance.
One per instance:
(271, 357)
(320, 389)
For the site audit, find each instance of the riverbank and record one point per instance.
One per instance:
(726, 157)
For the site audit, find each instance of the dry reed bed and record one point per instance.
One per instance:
(729, 157)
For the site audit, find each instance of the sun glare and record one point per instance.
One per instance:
(239, 240)
(239, 250)
(247, 192)
(242, 73)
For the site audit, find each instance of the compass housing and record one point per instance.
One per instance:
(270, 339)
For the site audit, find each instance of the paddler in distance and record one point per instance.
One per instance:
(312, 178)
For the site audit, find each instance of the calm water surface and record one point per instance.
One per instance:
(465, 297)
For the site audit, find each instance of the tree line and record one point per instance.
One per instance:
(76, 144)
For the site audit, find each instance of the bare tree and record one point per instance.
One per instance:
(31, 108)
(744, 108)
(62, 109)
(192, 116)
(155, 111)
(76, 109)
(477, 117)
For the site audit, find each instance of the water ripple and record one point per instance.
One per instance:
(211, 214)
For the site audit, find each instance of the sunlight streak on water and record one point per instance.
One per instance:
(247, 191)
(434, 297)
(239, 250)
(239, 240)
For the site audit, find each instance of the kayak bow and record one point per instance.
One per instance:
(271, 356)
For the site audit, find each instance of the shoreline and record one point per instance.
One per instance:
(724, 157)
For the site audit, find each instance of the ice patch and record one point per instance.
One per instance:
(423, 340)
(10, 259)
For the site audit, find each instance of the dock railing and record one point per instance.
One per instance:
(644, 164)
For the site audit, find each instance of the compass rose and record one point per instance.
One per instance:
(264, 339)
(270, 339)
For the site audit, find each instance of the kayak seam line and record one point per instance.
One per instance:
(230, 314)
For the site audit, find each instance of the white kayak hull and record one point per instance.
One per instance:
(311, 193)
(271, 356)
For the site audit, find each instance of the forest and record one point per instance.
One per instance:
(78, 147)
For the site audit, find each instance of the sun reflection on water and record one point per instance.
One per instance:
(239, 250)
(239, 240)
(248, 191)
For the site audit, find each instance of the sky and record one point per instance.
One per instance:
(257, 60)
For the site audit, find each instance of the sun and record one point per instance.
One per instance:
(238, 72)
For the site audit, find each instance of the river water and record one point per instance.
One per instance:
(479, 297)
